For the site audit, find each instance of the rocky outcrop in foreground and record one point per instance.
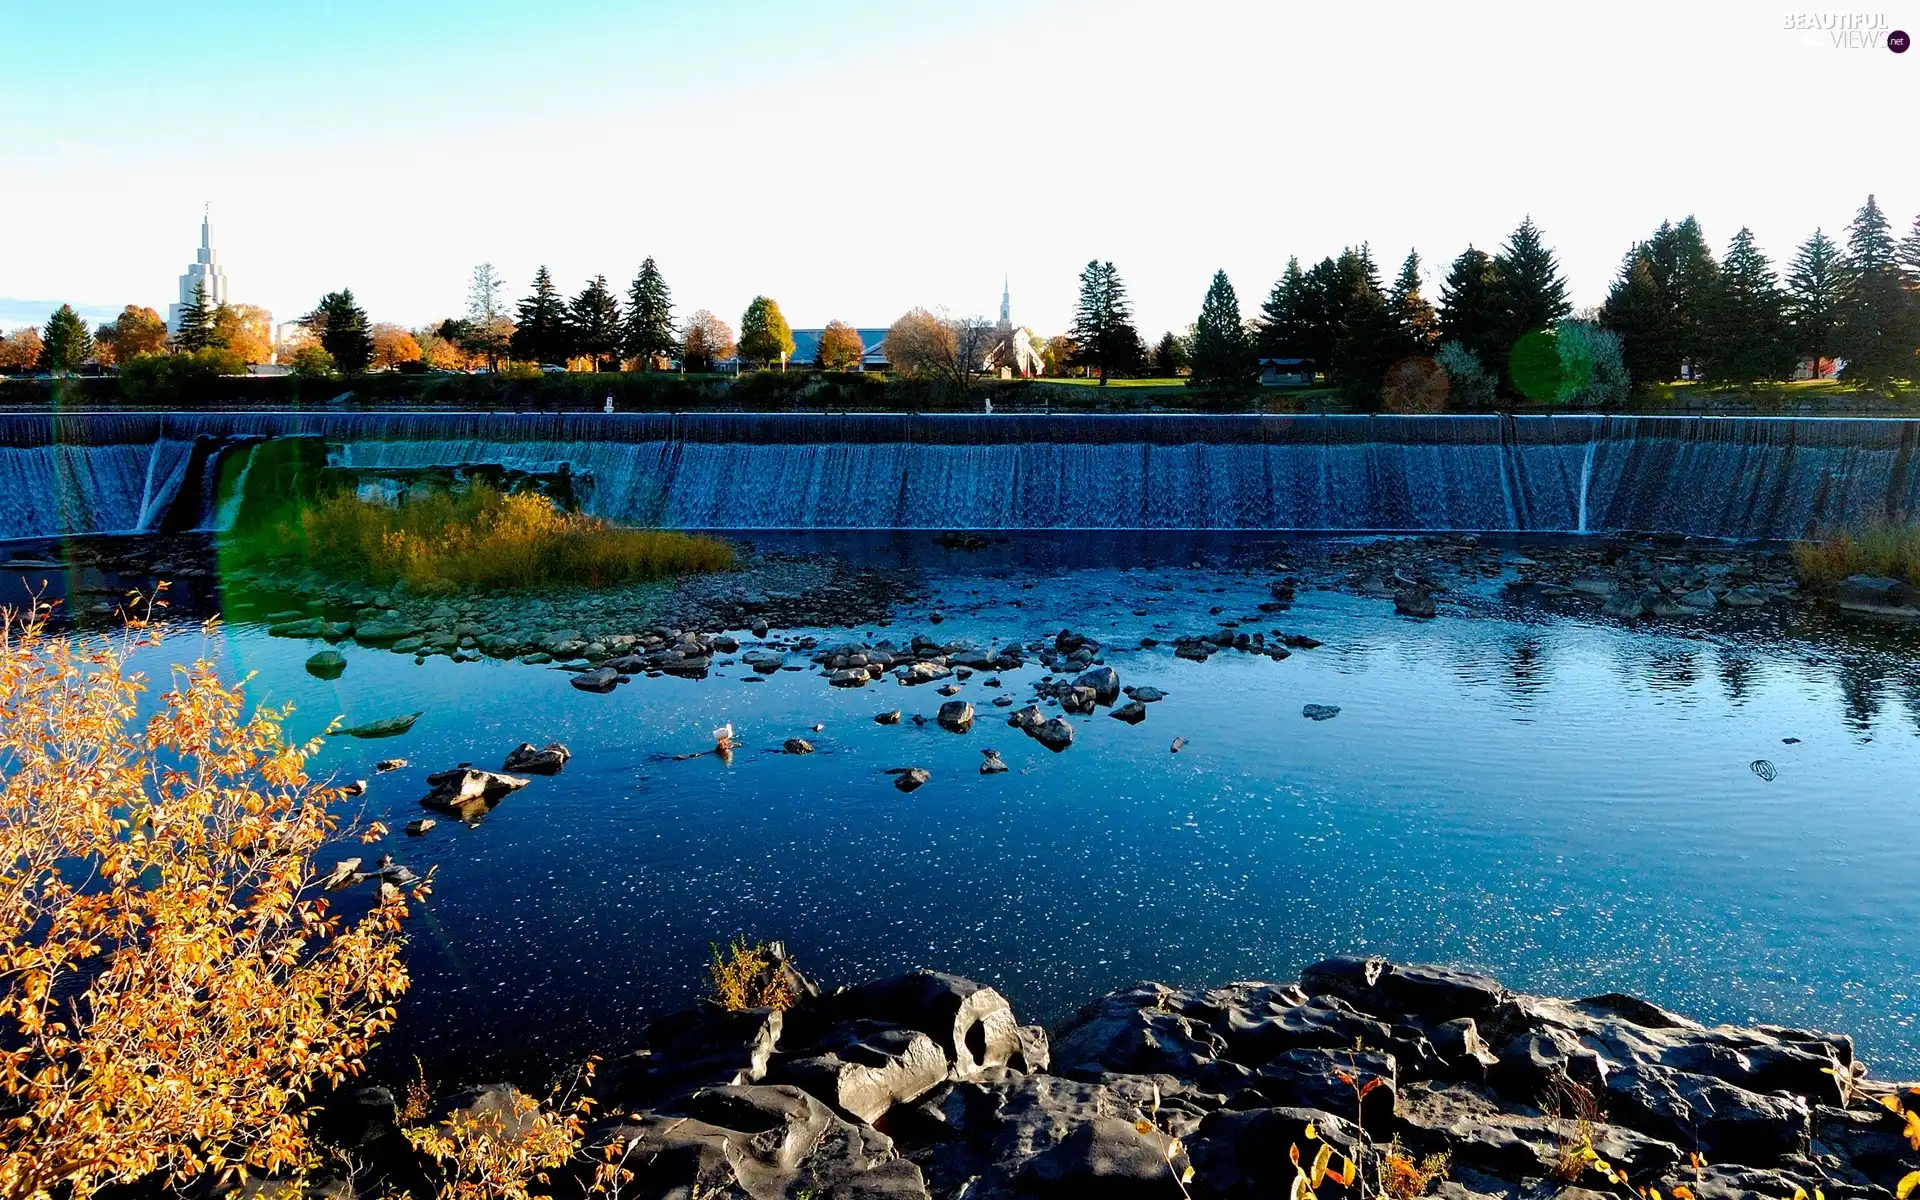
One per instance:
(926, 1085)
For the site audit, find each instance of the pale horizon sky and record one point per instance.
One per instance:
(858, 160)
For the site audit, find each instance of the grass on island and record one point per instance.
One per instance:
(480, 537)
(1890, 549)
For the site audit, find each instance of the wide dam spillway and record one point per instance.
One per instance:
(1732, 477)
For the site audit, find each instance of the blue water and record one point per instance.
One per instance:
(1565, 803)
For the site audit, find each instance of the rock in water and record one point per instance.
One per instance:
(465, 793)
(385, 727)
(542, 761)
(1028, 718)
(311, 627)
(887, 718)
(388, 764)
(1624, 605)
(420, 825)
(328, 664)
(1320, 712)
(1415, 602)
(1177, 744)
(1594, 585)
(1133, 712)
(1744, 597)
(1875, 595)
(1146, 694)
(1105, 682)
(1054, 733)
(994, 764)
(357, 787)
(797, 746)
(955, 716)
(600, 679)
(1702, 599)
(909, 778)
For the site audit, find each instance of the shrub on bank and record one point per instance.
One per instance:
(1890, 549)
(482, 538)
(172, 984)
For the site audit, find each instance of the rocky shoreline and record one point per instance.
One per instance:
(926, 1085)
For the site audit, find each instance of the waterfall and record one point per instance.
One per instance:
(1737, 477)
(1586, 482)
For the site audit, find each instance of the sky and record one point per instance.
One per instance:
(854, 160)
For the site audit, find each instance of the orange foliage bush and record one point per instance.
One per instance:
(172, 983)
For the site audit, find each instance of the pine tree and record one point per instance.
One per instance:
(1169, 356)
(1319, 318)
(195, 328)
(650, 318)
(1470, 304)
(487, 331)
(1815, 281)
(1744, 323)
(1532, 294)
(1910, 256)
(594, 317)
(1279, 327)
(1657, 303)
(543, 335)
(1876, 334)
(1363, 326)
(66, 342)
(1222, 354)
(764, 335)
(1103, 322)
(343, 331)
(1416, 325)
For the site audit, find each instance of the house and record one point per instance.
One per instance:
(1286, 372)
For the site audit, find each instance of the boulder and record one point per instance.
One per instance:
(1594, 585)
(1029, 718)
(1054, 733)
(328, 664)
(547, 760)
(382, 632)
(972, 1025)
(1105, 682)
(955, 716)
(310, 627)
(420, 825)
(1132, 712)
(887, 718)
(1145, 694)
(1700, 599)
(1415, 602)
(796, 746)
(600, 679)
(993, 764)
(908, 779)
(1744, 597)
(464, 793)
(863, 1067)
(1624, 606)
(384, 727)
(1320, 712)
(1877, 596)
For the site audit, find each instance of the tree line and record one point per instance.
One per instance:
(1503, 325)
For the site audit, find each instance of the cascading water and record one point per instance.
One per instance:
(1723, 477)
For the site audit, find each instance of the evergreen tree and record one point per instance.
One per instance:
(195, 328)
(764, 336)
(1416, 325)
(487, 331)
(1910, 256)
(1744, 324)
(543, 334)
(650, 317)
(1532, 294)
(1658, 302)
(1103, 322)
(66, 342)
(1319, 318)
(1279, 330)
(1222, 353)
(1470, 304)
(1363, 328)
(1815, 280)
(1170, 356)
(1876, 334)
(343, 330)
(594, 317)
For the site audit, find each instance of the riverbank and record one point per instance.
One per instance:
(1364, 1077)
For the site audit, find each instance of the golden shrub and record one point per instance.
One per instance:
(500, 1147)
(173, 985)
(749, 976)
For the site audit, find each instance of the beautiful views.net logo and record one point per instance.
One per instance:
(1847, 31)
